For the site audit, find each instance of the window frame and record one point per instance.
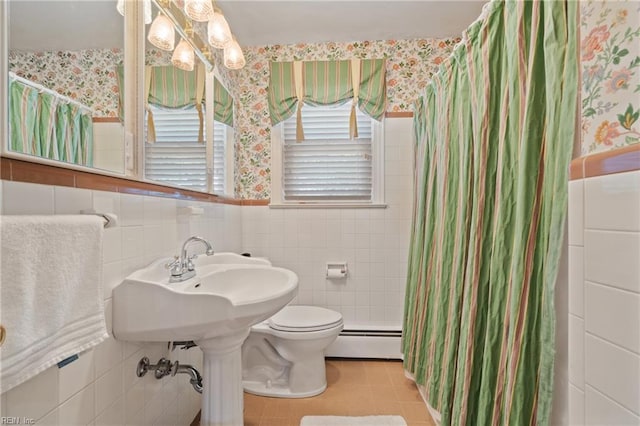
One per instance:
(377, 173)
(229, 145)
(208, 148)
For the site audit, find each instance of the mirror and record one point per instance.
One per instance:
(186, 130)
(64, 82)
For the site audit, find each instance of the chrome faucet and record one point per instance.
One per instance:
(182, 267)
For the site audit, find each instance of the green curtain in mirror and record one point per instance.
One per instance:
(46, 125)
(494, 136)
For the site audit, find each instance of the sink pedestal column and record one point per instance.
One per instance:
(222, 393)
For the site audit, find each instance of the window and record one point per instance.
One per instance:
(327, 167)
(177, 158)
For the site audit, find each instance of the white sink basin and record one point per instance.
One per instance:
(229, 293)
(215, 308)
(229, 258)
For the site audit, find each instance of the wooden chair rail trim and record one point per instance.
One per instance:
(619, 160)
(25, 171)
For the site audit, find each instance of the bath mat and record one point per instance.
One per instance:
(352, 421)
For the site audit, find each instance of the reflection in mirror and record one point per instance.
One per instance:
(188, 112)
(64, 85)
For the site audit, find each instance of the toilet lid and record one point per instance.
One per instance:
(305, 318)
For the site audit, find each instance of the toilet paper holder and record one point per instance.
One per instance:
(337, 269)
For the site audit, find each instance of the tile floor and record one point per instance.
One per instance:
(355, 388)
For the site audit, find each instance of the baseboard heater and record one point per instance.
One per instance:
(361, 343)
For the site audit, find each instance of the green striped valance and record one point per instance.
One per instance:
(222, 104)
(292, 84)
(171, 87)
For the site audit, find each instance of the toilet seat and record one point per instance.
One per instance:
(305, 319)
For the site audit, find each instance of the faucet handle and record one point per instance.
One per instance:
(190, 259)
(176, 261)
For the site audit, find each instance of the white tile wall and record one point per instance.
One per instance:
(613, 371)
(602, 410)
(374, 243)
(576, 281)
(576, 212)
(576, 406)
(576, 356)
(604, 271)
(76, 376)
(100, 388)
(611, 257)
(108, 149)
(576, 302)
(613, 202)
(27, 198)
(610, 311)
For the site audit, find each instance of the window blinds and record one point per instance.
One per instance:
(177, 158)
(327, 165)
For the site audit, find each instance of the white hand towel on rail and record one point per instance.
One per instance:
(51, 292)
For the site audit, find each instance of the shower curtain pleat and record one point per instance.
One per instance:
(494, 134)
(43, 125)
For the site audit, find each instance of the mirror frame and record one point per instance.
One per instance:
(134, 137)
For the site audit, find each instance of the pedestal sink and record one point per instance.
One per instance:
(216, 309)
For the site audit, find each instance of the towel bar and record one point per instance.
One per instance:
(111, 220)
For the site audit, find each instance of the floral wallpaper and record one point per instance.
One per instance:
(610, 56)
(88, 76)
(410, 64)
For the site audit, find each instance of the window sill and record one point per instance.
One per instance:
(327, 206)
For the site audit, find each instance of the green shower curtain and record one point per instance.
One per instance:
(43, 125)
(494, 135)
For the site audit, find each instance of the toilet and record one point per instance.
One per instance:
(284, 355)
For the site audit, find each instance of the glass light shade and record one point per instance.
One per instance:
(147, 10)
(161, 33)
(183, 56)
(233, 56)
(218, 31)
(198, 10)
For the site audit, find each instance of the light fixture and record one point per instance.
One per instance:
(198, 10)
(147, 10)
(162, 34)
(218, 31)
(177, 15)
(233, 56)
(184, 57)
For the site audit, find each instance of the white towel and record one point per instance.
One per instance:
(51, 292)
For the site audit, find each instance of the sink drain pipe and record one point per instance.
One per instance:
(195, 377)
(164, 367)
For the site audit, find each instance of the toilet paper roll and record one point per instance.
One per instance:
(336, 273)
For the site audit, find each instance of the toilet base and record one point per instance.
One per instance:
(304, 378)
(278, 391)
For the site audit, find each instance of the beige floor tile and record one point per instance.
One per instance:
(384, 393)
(415, 412)
(407, 392)
(355, 388)
(277, 407)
